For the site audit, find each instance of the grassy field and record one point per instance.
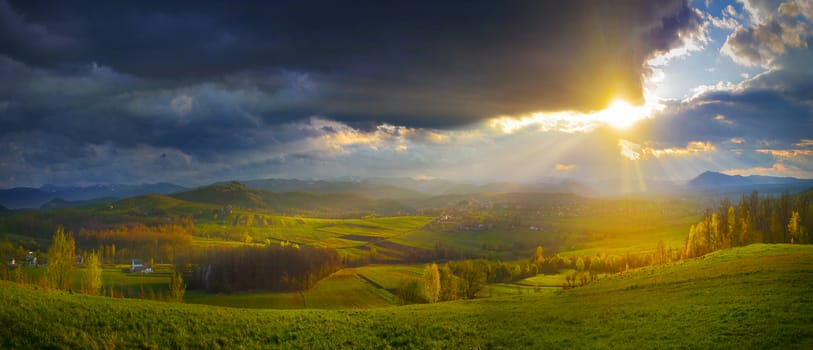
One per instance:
(391, 276)
(342, 290)
(117, 277)
(753, 297)
(580, 236)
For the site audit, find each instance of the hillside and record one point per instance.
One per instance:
(240, 195)
(27, 197)
(360, 188)
(752, 297)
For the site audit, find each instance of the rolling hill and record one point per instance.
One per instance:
(27, 197)
(335, 204)
(751, 297)
(360, 188)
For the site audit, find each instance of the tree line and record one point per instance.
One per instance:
(137, 241)
(755, 219)
(247, 268)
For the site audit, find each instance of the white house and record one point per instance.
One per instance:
(136, 265)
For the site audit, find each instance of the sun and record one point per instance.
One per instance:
(621, 115)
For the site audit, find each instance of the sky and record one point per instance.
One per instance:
(192, 92)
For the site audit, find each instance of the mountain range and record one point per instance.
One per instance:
(272, 193)
(721, 183)
(28, 197)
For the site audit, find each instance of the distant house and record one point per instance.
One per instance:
(136, 265)
(30, 259)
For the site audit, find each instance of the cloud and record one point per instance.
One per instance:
(770, 37)
(618, 114)
(722, 120)
(330, 89)
(805, 143)
(32, 40)
(634, 151)
(182, 104)
(777, 169)
(774, 105)
(786, 153)
(439, 71)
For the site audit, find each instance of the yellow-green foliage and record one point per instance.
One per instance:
(92, 279)
(61, 260)
(177, 288)
(431, 282)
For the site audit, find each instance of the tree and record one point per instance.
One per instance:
(431, 280)
(660, 255)
(691, 250)
(795, 231)
(177, 288)
(579, 264)
(539, 256)
(714, 233)
(61, 258)
(731, 222)
(92, 279)
(472, 277)
(409, 291)
(745, 222)
(448, 284)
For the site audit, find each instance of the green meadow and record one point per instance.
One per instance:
(751, 297)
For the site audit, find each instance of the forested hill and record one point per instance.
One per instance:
(364, 189)
(27, 197)
(240, 195)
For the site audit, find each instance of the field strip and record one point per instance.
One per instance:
(374, 283)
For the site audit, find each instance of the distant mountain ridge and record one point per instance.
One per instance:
(239, 195)
(711, 181)
(408, 188)
(362, 188)
(28, 197)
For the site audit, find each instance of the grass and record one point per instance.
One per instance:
(619, 235)
(124, 284)
(391, 276)
(291, 300)
(583, 236)
(342, 290)
(751, 297)
(318, 232)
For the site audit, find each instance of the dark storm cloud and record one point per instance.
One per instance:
(31, 40)
(721, 115)
(411, 63)
(776, 106)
